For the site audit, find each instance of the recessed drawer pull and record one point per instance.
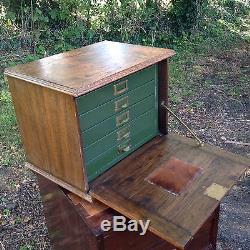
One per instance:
(121, 104)
(123, 148)
(123, 134)
(123, 118)
(120, 87)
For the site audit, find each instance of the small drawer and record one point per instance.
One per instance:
(100, 96)
(114, 154)
(108, 125)
(116, 137)
(117, 105)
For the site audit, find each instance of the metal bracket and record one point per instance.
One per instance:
(200, 143)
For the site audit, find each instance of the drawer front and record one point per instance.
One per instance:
(100, 96)
(116, 137)
(142, 134)
(104, 128)
(117, 105)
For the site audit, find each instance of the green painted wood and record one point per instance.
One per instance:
(116, 137)
(98, 97)
(106, 110)
(104, 128)
(111, 156)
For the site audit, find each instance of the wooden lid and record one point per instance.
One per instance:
(171, 182)
(82, 70)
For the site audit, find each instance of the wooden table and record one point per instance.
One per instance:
(74, 223)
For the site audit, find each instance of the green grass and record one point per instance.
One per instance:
(10, 143)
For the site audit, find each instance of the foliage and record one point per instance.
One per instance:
(58, 25)
(51, 26)
(31, 29)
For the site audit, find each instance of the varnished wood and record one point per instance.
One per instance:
(74, 223)
(50, 132)
(67, 229)
(163, 96)
(58, 181)
(82, 70)
(175, 218)
(206, 237)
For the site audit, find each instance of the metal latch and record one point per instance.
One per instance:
(200, 143)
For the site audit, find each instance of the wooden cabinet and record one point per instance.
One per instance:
(92, 121)
(81, 112)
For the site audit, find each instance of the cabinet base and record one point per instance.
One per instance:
(75, 224)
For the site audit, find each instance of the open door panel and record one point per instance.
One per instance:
(171, 182)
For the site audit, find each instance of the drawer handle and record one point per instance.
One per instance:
(123, 134)
(120, 87)
(121, 104)
(123, 118)
(123, 148)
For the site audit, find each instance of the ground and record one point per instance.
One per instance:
(210, 91)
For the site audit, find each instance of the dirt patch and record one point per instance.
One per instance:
(22, 222)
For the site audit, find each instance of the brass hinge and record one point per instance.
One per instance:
(200, 143)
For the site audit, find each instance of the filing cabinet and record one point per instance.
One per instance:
(82, 111)
(94, 121)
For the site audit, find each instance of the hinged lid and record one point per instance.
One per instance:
(171, 182)
(82, 70)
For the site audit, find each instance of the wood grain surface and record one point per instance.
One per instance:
(175, 218)
(50, 133)
(82, 70)
(75, 224)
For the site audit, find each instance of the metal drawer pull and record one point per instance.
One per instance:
(123, 148)
(121, 104)
(120, 87)
(123, 134)
(123, 118)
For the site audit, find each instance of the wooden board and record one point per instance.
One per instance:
(175, 218)
(82, 70)
(50, 132)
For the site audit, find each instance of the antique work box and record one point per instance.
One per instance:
(94, 121)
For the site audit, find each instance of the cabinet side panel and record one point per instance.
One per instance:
(163, 96)
(48, 124)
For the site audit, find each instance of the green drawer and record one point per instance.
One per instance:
(115, 106)
(143, 133)
(116, 137)
(107, 126)
(96, 98)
